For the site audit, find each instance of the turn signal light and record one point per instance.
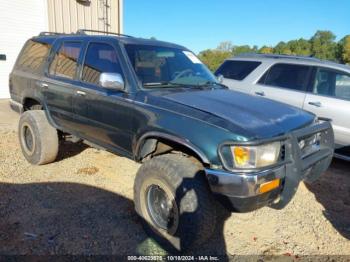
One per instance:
(268, 186)
(241, 155)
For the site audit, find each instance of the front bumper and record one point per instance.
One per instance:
(240, 190)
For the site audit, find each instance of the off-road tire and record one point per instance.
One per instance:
(45, 142)
(36, 107)
(184, 180)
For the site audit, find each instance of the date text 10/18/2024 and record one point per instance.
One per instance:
(173, 258)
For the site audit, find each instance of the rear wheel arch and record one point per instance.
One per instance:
(34, 103)
(30, 103)
(157, 143)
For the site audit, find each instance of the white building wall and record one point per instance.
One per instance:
(19, 20)
(67, 16)
(22, 19)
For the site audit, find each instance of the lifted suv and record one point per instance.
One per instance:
(200, 144)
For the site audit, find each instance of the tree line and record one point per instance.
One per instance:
(321, 45)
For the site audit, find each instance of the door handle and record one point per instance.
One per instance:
(42, 85)
(317, 104)
(80, 93)
(324, 119)
(262, 93)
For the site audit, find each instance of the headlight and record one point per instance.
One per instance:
(246, 157)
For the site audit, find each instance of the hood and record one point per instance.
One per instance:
(258, 117)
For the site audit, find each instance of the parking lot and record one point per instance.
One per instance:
(82, 204)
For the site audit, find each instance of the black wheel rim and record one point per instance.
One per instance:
(28, 139)
(161, 208)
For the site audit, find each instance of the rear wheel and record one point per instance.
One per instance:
(175, 203)
(38, 139)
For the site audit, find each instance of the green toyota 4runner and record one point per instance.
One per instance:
(203, 147)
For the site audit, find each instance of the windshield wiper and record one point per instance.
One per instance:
(173, 84)
(209, 83)
(167, 84)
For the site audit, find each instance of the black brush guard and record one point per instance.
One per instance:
(307, 168)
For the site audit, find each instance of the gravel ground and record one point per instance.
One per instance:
(82, 204)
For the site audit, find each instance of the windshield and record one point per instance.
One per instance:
(158, 66)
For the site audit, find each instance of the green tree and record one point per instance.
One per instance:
(282, 48)
(266, 50)
(225, 46)
(300, 47)
(344, 48)
(241, 49)
(323, 45)
(213, 57)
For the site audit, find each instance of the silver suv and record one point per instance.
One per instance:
(319, 86)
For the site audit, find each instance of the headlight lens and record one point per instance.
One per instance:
(253, 156)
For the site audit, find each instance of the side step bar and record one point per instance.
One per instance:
(343, 157)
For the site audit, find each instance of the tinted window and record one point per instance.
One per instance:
(33, 56)
(332, 83)
(237, 70)
(100, 58)
(65, 62)
(289, 76)
(161, 66)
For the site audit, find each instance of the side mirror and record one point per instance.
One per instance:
(220, 78)
(112, 81)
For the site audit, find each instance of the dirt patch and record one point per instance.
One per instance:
(82, 204)
(88, 170)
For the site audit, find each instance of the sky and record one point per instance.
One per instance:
(203, 24)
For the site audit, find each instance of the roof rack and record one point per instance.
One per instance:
(276, 56)
(83, 32)
(50, 33)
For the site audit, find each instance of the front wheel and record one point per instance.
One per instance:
(174, 201)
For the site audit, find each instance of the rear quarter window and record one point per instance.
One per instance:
(33, 56)
(237, 70)
(333, 83)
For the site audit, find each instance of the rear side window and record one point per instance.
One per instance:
(33, 56)
(295, 77)
(65, 62)
(100, 58)
(237, 70)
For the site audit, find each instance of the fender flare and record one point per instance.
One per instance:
(172, 138)
(45, 108)
(26, 97)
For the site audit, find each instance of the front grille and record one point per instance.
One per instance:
(283, 152)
